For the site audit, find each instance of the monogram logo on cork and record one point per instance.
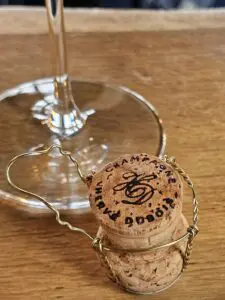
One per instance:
(136, 187)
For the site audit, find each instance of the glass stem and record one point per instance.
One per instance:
(65, 119)
(55, 15)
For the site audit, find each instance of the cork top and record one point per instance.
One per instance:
(135, 193)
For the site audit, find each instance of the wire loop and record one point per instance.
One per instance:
(97, 244)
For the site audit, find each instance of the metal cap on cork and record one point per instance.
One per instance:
(135, 194)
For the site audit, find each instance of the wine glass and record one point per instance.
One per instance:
(95, 121)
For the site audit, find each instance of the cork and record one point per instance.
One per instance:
(137, 200)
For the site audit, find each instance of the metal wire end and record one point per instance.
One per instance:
(97, 244)
(193, 231)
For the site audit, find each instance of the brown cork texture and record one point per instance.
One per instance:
(147, 272)
(137, 200)
(135, 194)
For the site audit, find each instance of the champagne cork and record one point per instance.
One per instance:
(137, 200)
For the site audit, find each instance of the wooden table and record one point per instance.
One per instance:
(176, 59)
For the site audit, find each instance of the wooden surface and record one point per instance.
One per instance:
(183, 72)
(20, 20)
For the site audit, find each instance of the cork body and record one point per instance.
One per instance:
(137, 200)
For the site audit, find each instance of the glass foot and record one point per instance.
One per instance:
(118, 121)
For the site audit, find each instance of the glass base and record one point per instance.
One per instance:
(118, 121)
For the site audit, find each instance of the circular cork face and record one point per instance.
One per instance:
(135, 192)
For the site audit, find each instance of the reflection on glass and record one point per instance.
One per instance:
(103, 123)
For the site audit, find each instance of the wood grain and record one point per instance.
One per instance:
(182, 72)
(20, 20)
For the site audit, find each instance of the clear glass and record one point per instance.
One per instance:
(97, 122)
